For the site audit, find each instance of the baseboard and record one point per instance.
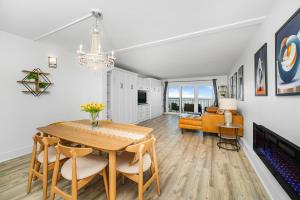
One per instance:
(272, 187)
(4, 156)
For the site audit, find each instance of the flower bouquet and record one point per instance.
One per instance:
(94, 109)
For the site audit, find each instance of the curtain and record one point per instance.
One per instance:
(165, 96)
(216, 103)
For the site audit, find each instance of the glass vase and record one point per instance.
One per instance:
(94, 119)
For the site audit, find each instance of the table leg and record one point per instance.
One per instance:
(112, 175)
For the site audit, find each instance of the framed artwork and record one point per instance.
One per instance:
(260, 71)
(287, 57)
(231, 87)
(240, 77)
(234, 88)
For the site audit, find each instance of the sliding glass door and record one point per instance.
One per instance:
(205, 97)
(174, 99)
(187, 99)
(190, 98)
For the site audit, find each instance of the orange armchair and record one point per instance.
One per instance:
(210, 120)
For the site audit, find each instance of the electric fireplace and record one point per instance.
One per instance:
(281, 157)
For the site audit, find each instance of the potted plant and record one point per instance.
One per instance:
(43, 85)
(93, 109)
(32, 77)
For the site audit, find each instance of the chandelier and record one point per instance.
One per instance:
(96, 58)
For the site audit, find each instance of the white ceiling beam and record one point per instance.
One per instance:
(63, 27)
(216, 29)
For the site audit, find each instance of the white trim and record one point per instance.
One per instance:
(4, 156)
(272, 187)
(216, 29)
(62, 27)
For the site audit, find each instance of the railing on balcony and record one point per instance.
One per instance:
(188, 104)
(205, 102)
(173, 104)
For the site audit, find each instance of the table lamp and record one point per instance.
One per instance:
(228, 104)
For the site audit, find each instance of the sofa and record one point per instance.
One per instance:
(209, 120)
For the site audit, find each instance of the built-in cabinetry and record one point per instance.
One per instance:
(122, 97)
(143, 112)
(155, 97)
(143, 83)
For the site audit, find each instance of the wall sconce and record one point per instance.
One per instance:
(52, 62)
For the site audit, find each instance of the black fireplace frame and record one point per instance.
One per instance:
(290, 149)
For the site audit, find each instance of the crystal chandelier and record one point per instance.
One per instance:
(96, 58)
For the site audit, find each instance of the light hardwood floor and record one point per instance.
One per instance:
(191, 167)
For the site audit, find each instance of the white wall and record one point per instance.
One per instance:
(21, 113)
(280, 114)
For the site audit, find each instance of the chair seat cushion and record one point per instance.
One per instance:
(86, 166)
(123, 163)
(51, 155)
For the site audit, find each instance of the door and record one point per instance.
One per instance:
(187, 99)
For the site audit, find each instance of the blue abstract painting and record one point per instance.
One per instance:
(288, 57)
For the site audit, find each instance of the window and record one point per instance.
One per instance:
(206, 96)
(174, 99)
(187, 99)
(190, 98)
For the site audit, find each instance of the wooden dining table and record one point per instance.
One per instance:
(110, 143)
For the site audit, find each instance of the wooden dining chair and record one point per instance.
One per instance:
(80, 169)
(146, 154)
(46, 157)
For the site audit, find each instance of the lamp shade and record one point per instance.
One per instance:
(228, 104)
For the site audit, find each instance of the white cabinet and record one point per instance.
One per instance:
(143, 84)
(122, 88)
(143, 112)
(122, 105)
(155, 99)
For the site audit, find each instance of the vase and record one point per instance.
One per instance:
(94, 119)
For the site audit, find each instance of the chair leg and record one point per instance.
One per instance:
(123, 179)
(29, 181)
(30, 175)
(52, 194)
(157, 184)
(45, 181)
(37, 169)
(140, 188)
(105, 182)
(55, 176)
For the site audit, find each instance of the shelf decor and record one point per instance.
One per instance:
(36, 82)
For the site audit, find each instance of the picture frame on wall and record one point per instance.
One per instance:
(231, 87)
(261, 71)
(287, 57)
(234, 86)
(240, 77)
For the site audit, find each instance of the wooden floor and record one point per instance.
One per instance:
(191, 167)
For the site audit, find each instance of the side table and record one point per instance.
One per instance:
(225, 139)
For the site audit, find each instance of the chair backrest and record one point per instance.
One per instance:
(147, 146)
(73, 152)
(142, 147)
(44, 141)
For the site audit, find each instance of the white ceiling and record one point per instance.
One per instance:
(132, 22)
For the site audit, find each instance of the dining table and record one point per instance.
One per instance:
(108, 137)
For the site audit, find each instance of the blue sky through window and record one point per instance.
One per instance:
(174, 92)
(188, 92)
(204, 92)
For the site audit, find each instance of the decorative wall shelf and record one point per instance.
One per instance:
(36, 82)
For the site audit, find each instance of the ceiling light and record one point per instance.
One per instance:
(96, 58)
